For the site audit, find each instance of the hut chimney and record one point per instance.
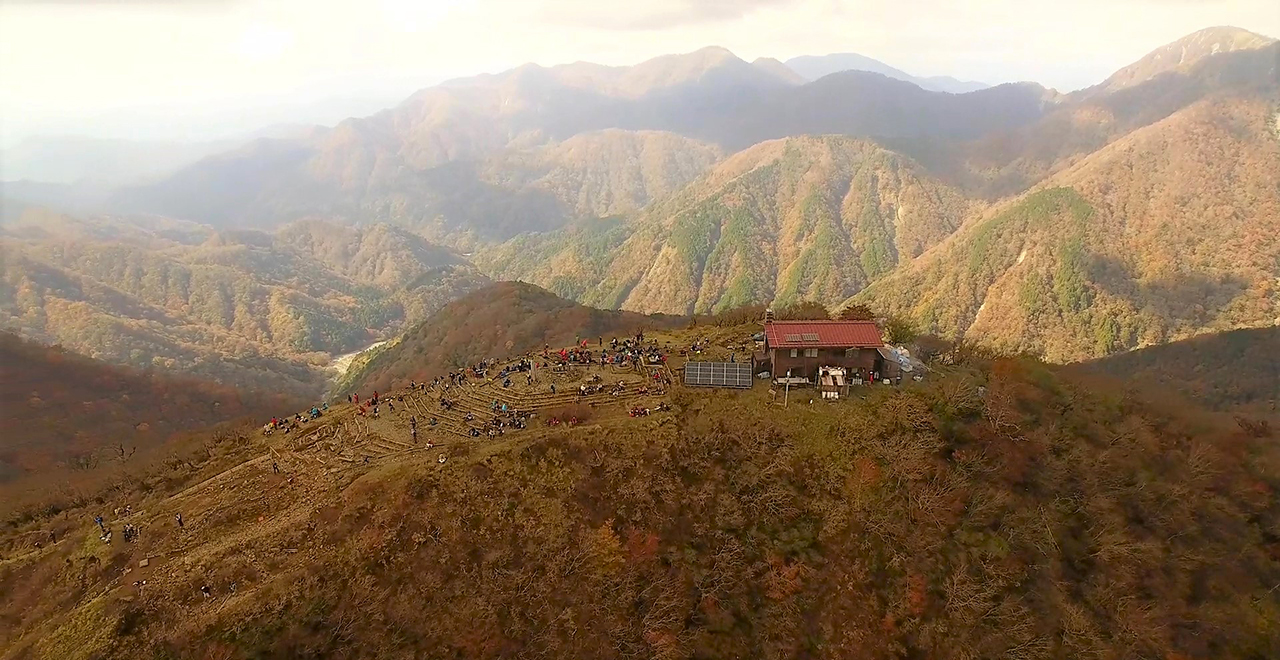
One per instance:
(768, 315)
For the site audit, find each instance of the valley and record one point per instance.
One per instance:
(343, 363)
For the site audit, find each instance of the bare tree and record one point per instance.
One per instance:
(120, 453)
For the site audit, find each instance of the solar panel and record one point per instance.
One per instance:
(793, 337)
(718, 374)
(811, 336)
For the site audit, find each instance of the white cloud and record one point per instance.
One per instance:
(260, 42)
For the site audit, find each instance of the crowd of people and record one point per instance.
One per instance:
(622, 352)
(287, 424)
(502, 418)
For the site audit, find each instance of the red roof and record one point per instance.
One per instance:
(822, 334)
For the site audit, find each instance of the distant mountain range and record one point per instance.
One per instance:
(428, 164)
(813, 67)
(103, 163)
(1071, 225)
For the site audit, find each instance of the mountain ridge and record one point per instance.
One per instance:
(742, 226)
(1102, 271)
(1188, 51)
(813, 67)
(635, 187)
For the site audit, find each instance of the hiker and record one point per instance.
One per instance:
(553, 388)
(275, 467)
(208, 593)
(98, 519)
(178, 517)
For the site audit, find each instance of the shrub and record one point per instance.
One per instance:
(807, 310)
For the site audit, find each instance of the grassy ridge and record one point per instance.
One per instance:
(1033, 518)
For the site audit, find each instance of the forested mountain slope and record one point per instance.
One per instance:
(1236, 370)
(248, 308)
(1166, 233)
(64, 413)
(812, 218)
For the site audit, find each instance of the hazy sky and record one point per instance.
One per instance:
(191, 68)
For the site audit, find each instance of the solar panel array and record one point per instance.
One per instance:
(718, 374)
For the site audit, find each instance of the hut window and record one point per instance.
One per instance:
(793, 352)
(810, 352)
